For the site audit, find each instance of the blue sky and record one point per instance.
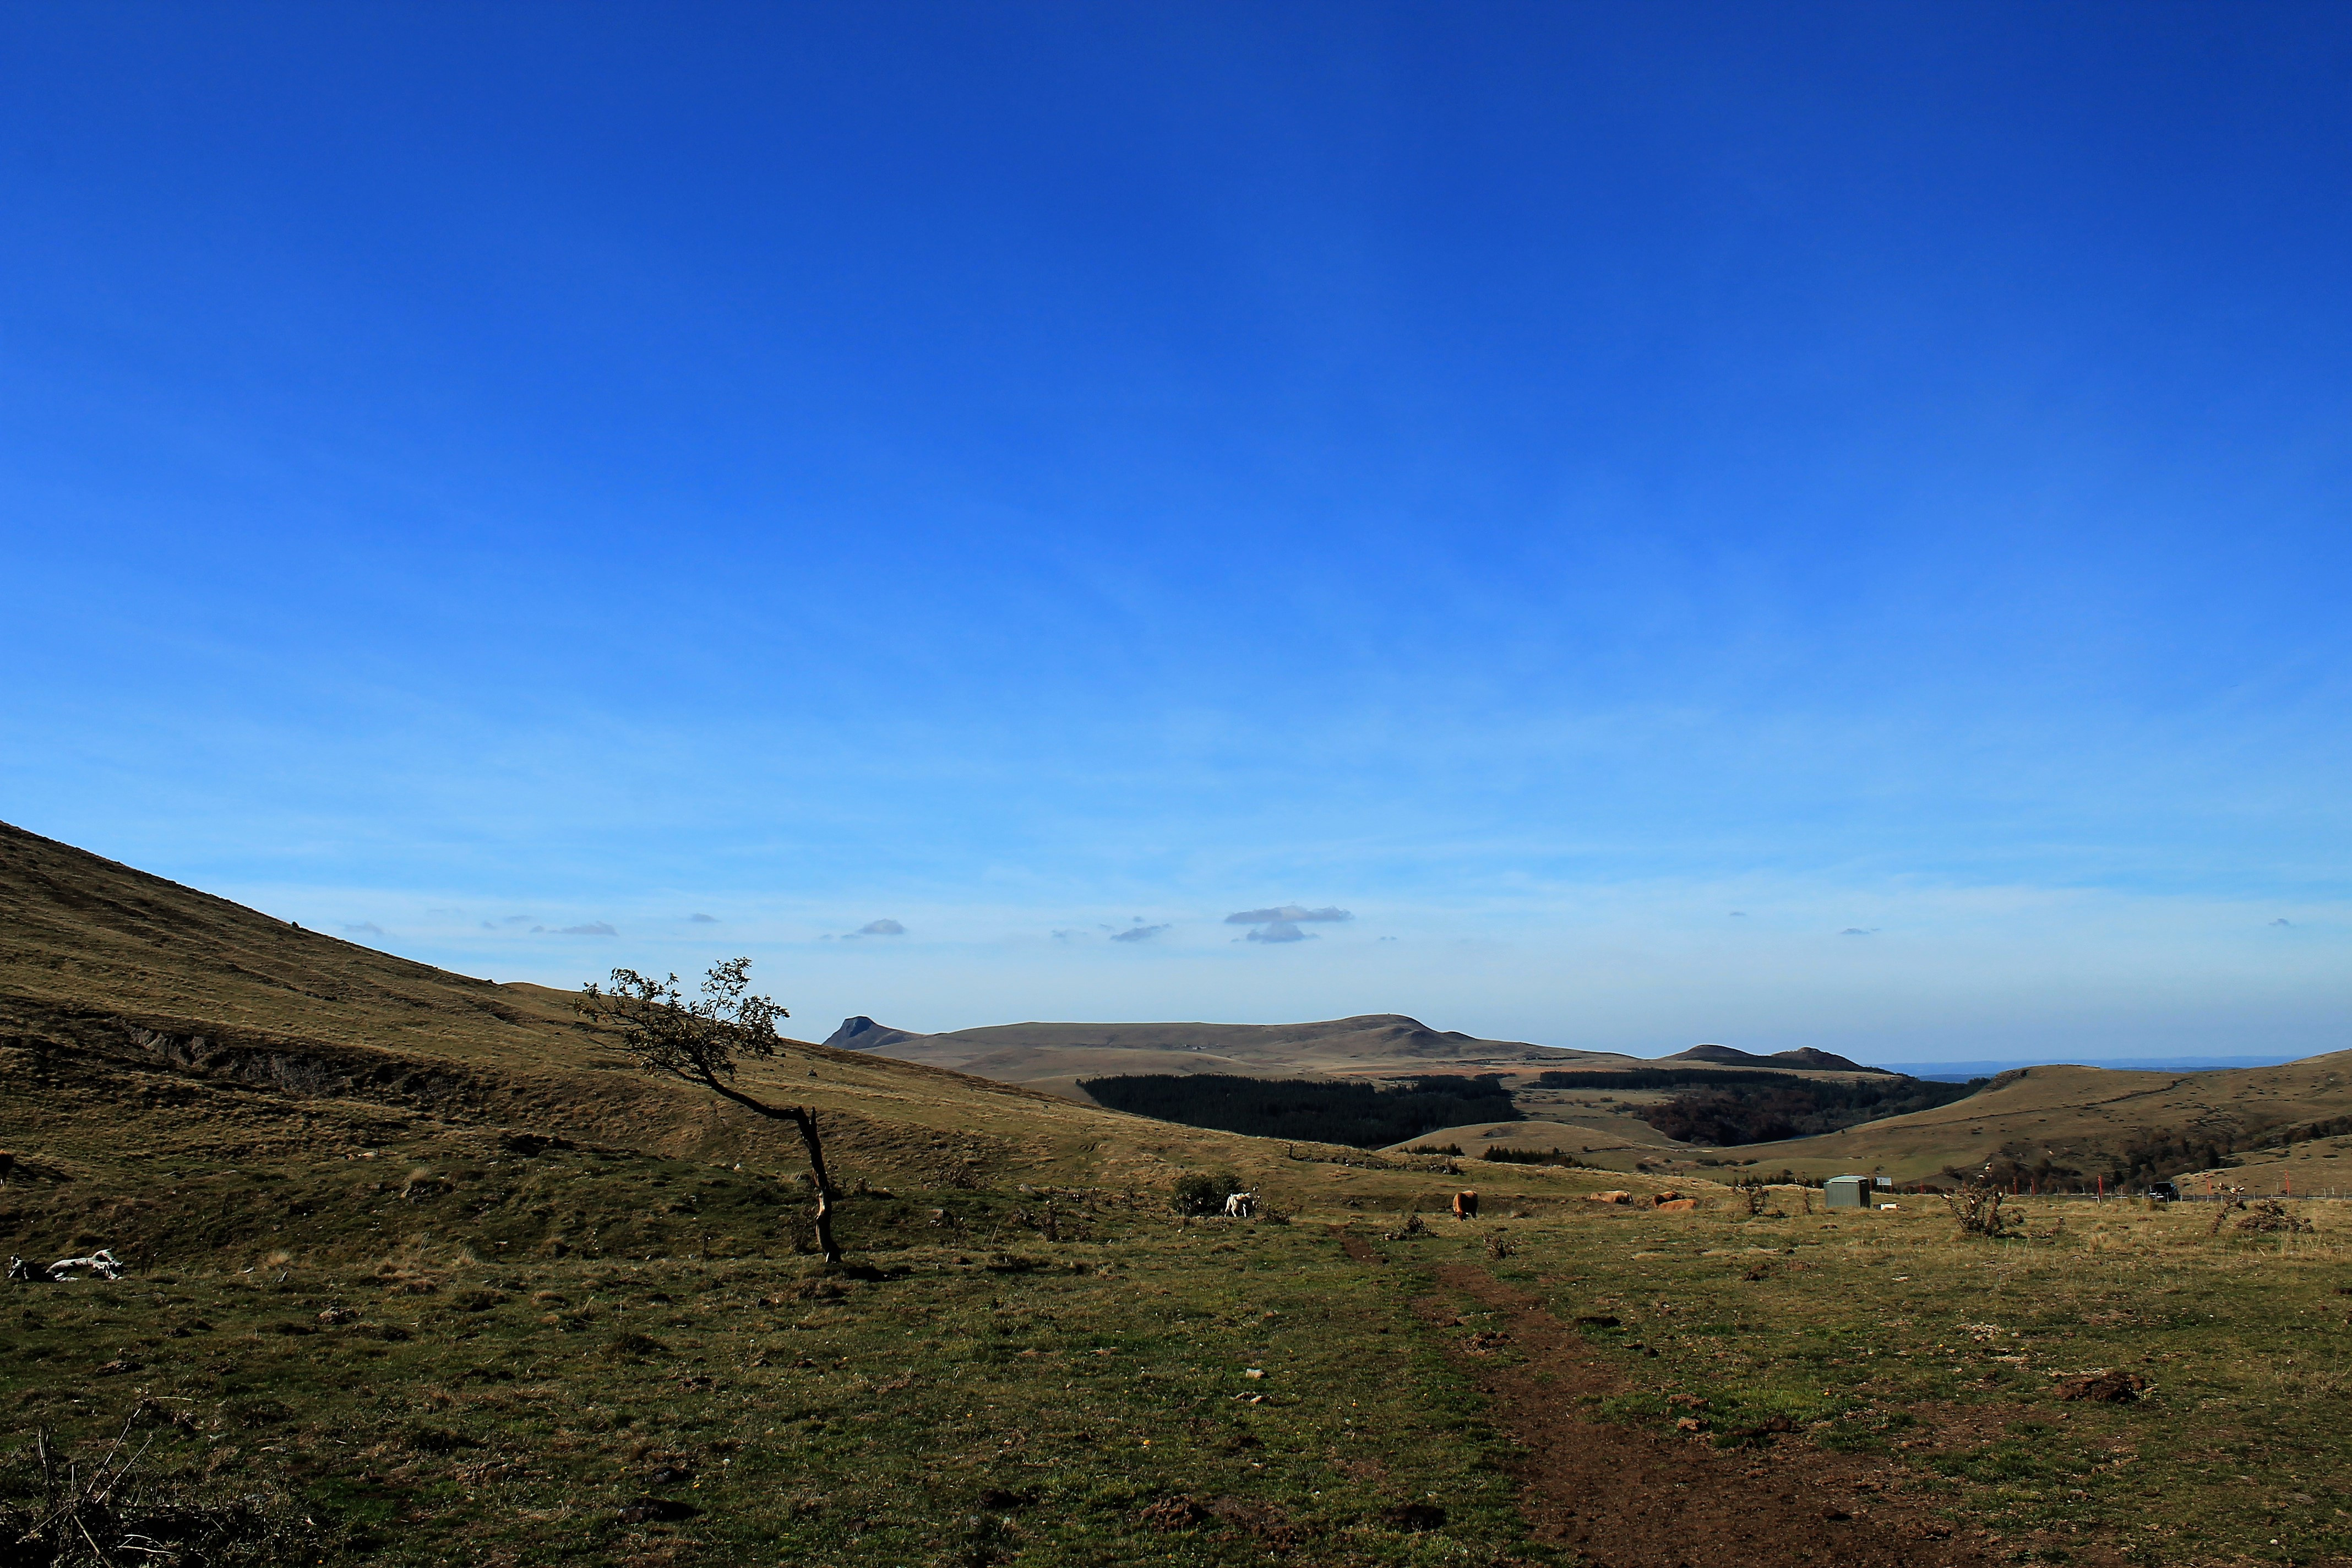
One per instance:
(1539, 479)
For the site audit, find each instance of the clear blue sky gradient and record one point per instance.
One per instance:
(1540, 478)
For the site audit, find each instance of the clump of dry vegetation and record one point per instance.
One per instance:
(1976, 1205)
(62, 1510)
(2272, 1217)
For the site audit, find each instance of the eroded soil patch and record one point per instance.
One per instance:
(1622, 1498)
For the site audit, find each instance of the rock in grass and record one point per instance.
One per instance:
(656, 1511)
(1413, 1517)
(1174, 1513)
(2109, 1388)
(632, 1347)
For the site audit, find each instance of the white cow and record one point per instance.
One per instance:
(100, 1263)
(1240, 1206)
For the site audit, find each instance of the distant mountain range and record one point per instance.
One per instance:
(1055, 1056)
(1960, 1072)
(140, 1018)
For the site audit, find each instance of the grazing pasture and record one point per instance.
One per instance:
(381, 1357)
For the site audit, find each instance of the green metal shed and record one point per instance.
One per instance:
(1846, 1193)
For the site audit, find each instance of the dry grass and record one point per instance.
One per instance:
(1892, 1333)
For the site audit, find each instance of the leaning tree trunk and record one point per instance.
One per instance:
(804, 1119)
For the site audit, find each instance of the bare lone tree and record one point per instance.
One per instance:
(701, 1041)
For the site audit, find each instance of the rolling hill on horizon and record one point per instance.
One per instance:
(1054, 1056)
(1804, 1058)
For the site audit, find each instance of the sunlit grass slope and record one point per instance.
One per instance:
(2074, 1114)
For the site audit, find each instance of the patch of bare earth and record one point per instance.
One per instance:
(1622, 1498)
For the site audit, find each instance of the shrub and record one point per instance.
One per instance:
(1976, 1206)
(1195, 1194)
(1501, 1155)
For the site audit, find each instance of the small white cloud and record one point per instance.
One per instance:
(1279, 930)
(880, 928)
(704, 919)
(594, 927)
(1071, 934)
(365, 928)
(1857, 930)
(1138, 934)
(2282, 921)
(1739, 914)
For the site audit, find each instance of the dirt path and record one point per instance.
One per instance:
(1627, 1499)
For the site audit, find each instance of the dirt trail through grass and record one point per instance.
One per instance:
(1626, 1499)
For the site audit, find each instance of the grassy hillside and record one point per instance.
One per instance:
(2076, 1118)
(220, 1034)
(223, 1027)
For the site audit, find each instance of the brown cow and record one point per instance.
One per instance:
(1465, 1206)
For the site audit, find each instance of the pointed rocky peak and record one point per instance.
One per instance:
(863, 1034)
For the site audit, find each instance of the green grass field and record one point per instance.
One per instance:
(1890, 1334)
(404, 1369)
(997, 1375)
